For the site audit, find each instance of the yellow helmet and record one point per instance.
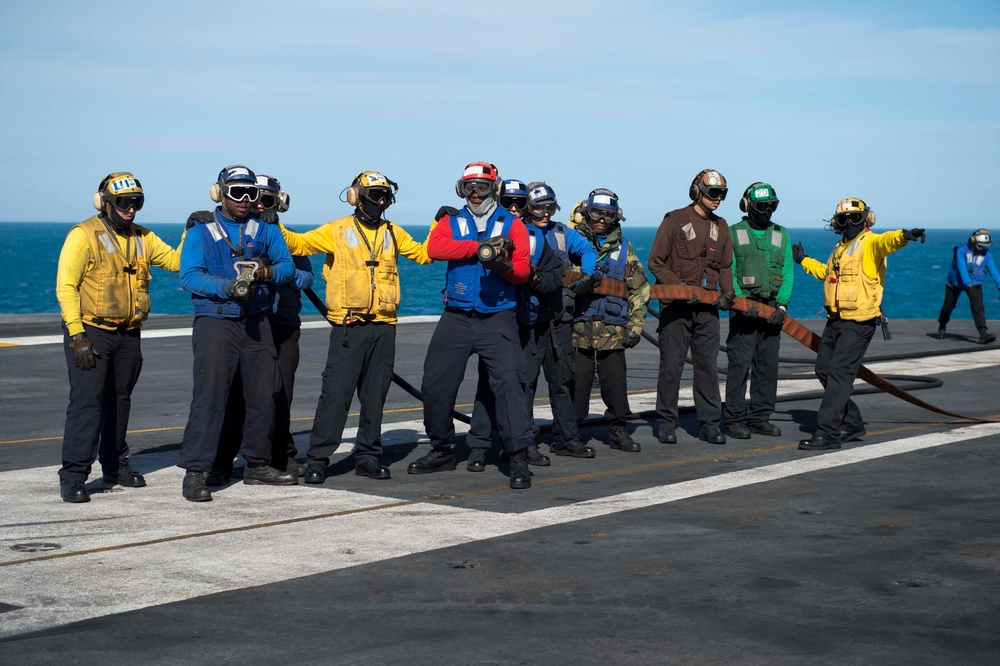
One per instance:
(121, 189)
(852, 211)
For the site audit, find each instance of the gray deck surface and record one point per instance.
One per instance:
(887, 552)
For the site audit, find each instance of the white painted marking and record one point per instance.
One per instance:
(61, 591)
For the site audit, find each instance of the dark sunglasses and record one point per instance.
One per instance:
(714, 193)
(126, 201)
(243, 193)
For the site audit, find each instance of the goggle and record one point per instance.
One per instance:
(714, 193)
(518, 202)
(126, 201)
(852, 218)
(243, 192)
(763, 206)
(480, 187)
(538, 212)
(596, 214)
(378, 195)
(268, 200)
(981, 239)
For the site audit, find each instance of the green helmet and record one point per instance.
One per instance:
(759, 193)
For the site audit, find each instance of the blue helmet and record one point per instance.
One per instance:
(513, 193)
(236, 173)
(606, 201)
(540, 194)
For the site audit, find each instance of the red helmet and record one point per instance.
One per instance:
(477, 173)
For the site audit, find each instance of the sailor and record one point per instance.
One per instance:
(970, 263)
(605, 326)
(762, 272)
(362, 298)
(693, 247)
(286, 330)
(231, 266)
(487, 250)
(102, 284)
(853, 280)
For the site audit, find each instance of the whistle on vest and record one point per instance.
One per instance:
(243, 283)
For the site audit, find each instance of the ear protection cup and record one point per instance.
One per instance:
(215, 192)
(284, 201)
(870, 220)
(98, 201)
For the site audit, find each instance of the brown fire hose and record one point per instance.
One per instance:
(678, 292)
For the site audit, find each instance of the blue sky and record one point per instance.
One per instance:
(895, 102)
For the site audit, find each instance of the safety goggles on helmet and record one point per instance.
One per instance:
(378, 195)
(713, 192)
(763, 207)
(242, 192)
(981, 237)
(852, 218)
(268, 200)
(480, 187)
(508, 201)
(541, 210)
(126, 201)
(596, 214)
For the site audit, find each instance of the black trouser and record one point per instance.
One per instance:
(682, 327)
(975, 300)
(546, 345)
(494, 338)
(100, 400)
(221, 347)
(360, 359)
(611, 370)
(841, 350)
(286, 343)
(752, 352)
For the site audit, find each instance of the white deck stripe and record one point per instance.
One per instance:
(56, 592)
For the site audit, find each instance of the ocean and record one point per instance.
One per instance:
(914, 290)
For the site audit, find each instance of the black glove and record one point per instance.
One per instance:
(269, 217)
(752, 311)
(725, 301)
(777, 317)
(584, 284)
(264, 273)
(445, 210)
(199, 216)
(798, 252)
(913, 234)
(631, 339)
(83, 351)
(694, 300)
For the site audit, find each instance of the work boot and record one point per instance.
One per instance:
(536, 457)
(194, 488)
(74, 491)
(819, 442)
(218, 476)
(294, 465)
(940, 333)
(268, 476)
(667, 435)
(124, 477)
(520, 477)
(315, 473)
(477, 460)
(765, 428)
(620, 439)
(710, 433)
(985, 337)
(373, 470)
(576, 449)
(738, 431)
(437, 460)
